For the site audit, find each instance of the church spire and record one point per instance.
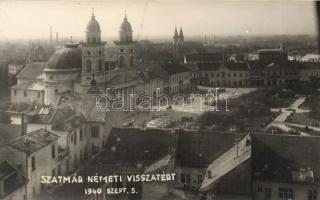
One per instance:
(175, 32)
(92, 15)
(181, 34)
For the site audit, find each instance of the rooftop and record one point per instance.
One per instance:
(172, 69)
(32, 70)
(34, 141)
(283, 155)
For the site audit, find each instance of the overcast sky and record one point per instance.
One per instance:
(152, 18)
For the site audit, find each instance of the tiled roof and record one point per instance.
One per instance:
(154, 70)
(200, 148)
(34, 141)
(84, 105)
(274, 157)
(240, 66)
(270, 51)
(130, 141)
(310, 65)
(205, 57)
(237, 66)
(172, 69)
(32, 70)
(163, 162)
(66, 119)
(228, 161)
(209, 66)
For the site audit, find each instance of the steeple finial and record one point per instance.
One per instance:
(125, 13)
(92, 12)
(176, 32)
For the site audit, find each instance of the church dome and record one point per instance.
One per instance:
(125, 25)
(93, 25)
(68, 57)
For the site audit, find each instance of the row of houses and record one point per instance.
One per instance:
(50, 141)
(212, 165)
(272, 68)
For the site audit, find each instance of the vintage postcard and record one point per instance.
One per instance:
(159, 100)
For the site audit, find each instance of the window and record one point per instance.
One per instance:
(24, 93)
(15, 92)
(81, 134)
(121, 50)
(94, 131)
(285, 194)
(312, 195)
(267, 193)
(51, 77)
(100, 65)
(88, 65)
(88, 52)
(188, 178)
(209, 174)
(53, 151)
(100, 53)
(183, 178)
(33, 163)
(75, 138)
(39, 94)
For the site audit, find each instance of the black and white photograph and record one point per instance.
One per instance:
(159, 100)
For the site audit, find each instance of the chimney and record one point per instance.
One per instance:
(57, 38)
(51, 35)
(22, 124)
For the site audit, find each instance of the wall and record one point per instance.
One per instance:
(300, 191)
(32, 95)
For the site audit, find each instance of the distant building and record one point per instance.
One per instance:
(281, 169)
(212, 56)
(13, 70)
(310, 71)
(178, 77)
(224, 74)
(178, 39)
(311, 58)
(274, 73)
(273, 55)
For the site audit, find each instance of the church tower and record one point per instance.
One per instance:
(93, 53)
(175, 38)
(125, 45)
(181, 37)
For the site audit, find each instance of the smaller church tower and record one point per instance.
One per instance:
(125, 45)
(175, 38)
(93, 53)
(181, 37)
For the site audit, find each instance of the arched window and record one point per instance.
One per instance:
(100, 65)
(121, 61)
(88, 65)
